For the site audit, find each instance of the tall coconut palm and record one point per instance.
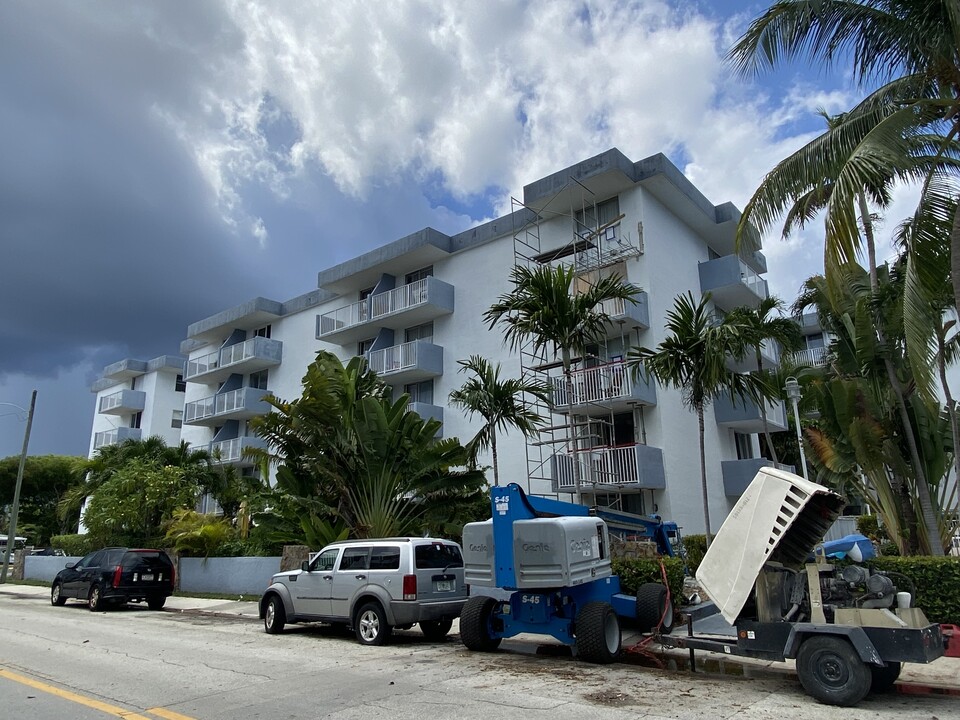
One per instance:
(693, 359)
(546, 309)
(757, 326)
(498, 402)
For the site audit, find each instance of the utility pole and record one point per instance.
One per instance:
(12, 530)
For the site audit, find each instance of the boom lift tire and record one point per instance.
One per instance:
(831, 671)
(884, 676)
(653, 603)
(475, 624)
(598, 633)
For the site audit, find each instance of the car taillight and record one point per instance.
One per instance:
(116, 576)
(409, 587)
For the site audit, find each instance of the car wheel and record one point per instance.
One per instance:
(95, 599)
(56, 596)
(831, 671)
(274, 617)
(371, 625)
(475, 624)
(156, 602)
(435, 630)
(598, 633)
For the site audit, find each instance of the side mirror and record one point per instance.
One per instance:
(305, 566)
(70, 566)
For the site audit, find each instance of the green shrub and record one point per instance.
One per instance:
(695, 547)
(75, 545)
(936, 584)
(637, 571)
(869, 525)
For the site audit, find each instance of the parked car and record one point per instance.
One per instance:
(372, 586)
(114, 576)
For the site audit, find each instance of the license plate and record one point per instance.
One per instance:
(444, 585)
(147, 577)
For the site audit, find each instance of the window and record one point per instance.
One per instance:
(420, 274)
(421, 392)
(814, 341)
(179, 385)
(258, 380)
(177, 420)
(365, 346)
(263, 332)
(354, 558)
(325, 560)
(385, 558)
(438, 556)
(744, 446)
(136, 420)
(419, 332)
(591, 218)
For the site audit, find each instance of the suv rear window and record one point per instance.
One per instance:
(438, 556)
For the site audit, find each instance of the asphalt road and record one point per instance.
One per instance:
(68, 662)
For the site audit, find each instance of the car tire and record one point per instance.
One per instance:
(370, 625)
(653, 603)
(598, 633)
(56, 595)
(435, 630)
(274, 616)
(156, 602)
(882, 677)
(95, 600)
(475, 621)
(831, 671)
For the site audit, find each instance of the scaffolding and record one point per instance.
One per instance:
(596, 243)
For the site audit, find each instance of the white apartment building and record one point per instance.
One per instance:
(415, 307)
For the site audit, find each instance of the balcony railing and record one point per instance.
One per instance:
(409, 362)
(731, 282)
(744, 414)
(242, 402)
(409, 304)
(230, 452)
(115, 436)
(628, 467)
(636, 314)
(123, 402)
(258, 353)
(813, 357)
(601, 386)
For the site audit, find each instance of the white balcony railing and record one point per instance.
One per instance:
(591, 385)
(114, 436)
(205, 364)
(199, 409)
(401, 298)
(393, 359)
(229, 450)
(599, 467)
(814, 357)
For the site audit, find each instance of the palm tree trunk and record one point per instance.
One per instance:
(703, 477)
(951, 408)
(955, 256)
(930, 525)
(493, 452)
(763, 413)
(574, 440)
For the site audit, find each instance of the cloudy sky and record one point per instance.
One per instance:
(162, 161)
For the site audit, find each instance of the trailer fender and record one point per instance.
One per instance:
(856, 635)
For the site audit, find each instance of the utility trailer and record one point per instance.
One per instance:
(848, 628)
(552, 559)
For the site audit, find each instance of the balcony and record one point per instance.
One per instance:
(731, 282)
(744, 415)
(231, 451)
(811, 357)
(407, 363)
(428, 412)
(115, 436)
(738, 474)
(626, 315)
(412, 304)
(124, 402)
(631, 467)
(769, 353)
(241, 404)
(252, 355)
(604, 388)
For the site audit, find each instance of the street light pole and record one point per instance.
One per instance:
(12, 530)
(792, 388)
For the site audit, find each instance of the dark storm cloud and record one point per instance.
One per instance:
(109, 234)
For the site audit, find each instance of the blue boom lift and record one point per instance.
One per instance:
(552, 560)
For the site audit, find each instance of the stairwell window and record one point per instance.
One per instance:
(177, 419)
(596, 216)
(263, 332)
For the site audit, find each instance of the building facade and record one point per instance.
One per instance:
(414, 307)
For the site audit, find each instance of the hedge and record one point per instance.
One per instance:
(74, 545)
(936, 581)
(635, 572)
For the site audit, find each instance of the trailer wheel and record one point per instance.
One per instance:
(831, 671)
(598, 633)
(475, 630)
(653, 603)
(884, 676)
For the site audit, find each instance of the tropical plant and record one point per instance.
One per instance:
(499, 403)
(198, 534)
(46, 480)
(557, 312)
(757, 326)
(693, 359)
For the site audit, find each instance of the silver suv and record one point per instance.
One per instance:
(373, 586)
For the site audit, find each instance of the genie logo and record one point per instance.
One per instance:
(580, 546)
(536, 547)
(478, 548)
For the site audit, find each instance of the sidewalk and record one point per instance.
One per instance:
(940, 676)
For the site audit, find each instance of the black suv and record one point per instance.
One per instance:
(116, 575)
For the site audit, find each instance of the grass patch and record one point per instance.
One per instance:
(217, 596)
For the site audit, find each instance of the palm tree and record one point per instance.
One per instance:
(757, 326)
(693, 359)
(546, 309)
(498, 402)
